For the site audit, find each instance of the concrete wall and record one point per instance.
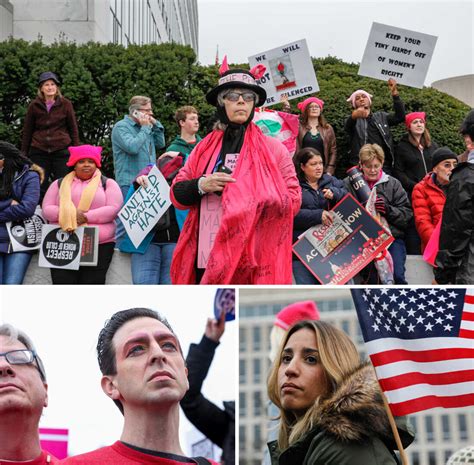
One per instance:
(460, 87)
(6, 19)
(417, 271)
(72, 20)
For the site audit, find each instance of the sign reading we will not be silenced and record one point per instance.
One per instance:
(403, 55)
(145, 207)
(289, 71)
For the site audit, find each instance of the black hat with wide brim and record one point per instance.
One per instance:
(237, 79)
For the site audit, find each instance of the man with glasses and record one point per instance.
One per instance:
(144, 373)
(135, 139)
(23, 395)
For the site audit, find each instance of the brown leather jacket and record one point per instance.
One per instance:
(49, 131)
(330, 149)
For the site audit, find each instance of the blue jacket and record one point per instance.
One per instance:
(134, 147)
(26, 191)
(313, 203)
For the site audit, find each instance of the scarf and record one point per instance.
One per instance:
(253, 244)
(67, 209)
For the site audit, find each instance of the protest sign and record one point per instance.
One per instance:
(392, 52)
(210, 215)
(55, 441)
(289, 71)
(90, 246)
(26, 234)
(145, 207)
(60, 249)
(336, 253)
(224, 301)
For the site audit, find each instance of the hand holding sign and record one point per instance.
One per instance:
(215, 328)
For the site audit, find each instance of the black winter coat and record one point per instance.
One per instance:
(313, 203)
(215, 423)
(377, 123)
(455, 258)
(411, 165)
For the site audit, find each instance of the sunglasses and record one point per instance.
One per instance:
(234, 96)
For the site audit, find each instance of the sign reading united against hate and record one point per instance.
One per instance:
(289, 71)
(336, 253)
(60, 249)
(392, 52)
(145, 207)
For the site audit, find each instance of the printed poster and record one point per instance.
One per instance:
(289, 71)
(60, 249)
(336, 253)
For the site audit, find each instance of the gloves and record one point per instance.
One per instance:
(380, 205)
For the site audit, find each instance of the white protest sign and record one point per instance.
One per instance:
(60, 249)
(289, 71)
(392, 52)
(145, 207)
(26, 234)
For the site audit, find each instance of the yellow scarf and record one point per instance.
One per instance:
(67, 209)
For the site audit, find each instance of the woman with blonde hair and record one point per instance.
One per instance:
(331, 407)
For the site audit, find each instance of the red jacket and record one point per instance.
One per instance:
(428, 201)
(49, 131)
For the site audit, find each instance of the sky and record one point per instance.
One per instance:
(64, 323)
(337, 28)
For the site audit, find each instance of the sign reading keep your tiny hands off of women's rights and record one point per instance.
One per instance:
(392, 52)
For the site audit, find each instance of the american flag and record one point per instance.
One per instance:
(421, 343)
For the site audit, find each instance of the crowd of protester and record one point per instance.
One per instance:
(240, 199)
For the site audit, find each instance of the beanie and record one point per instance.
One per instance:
(441, 154)
(302, 105)
(80, 152)
(413, 116)
(298, 311)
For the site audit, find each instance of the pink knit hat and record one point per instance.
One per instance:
(84, 151)
(413, 116)
(359, 91)
(302, 105)
(291, 314)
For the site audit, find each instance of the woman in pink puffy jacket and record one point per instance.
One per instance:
(85, 197)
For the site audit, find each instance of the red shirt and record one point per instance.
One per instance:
(120, 454)
(44, 459)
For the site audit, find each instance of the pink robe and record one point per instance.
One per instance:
(253, 244)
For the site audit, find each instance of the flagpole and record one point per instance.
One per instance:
(393, 425)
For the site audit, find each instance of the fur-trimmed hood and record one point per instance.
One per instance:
(34, 167)
(355, 411)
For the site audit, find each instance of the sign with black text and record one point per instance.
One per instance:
(145, 207)
(336, 253)
(60, 249)
(392, 52)
(90, 246)
(26, 234)
(289, 71)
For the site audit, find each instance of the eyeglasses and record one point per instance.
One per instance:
(19, 357)
(146, 110)
(234, 96)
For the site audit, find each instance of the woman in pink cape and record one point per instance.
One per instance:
(242, 192)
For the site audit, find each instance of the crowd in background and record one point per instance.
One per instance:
(260, 197)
